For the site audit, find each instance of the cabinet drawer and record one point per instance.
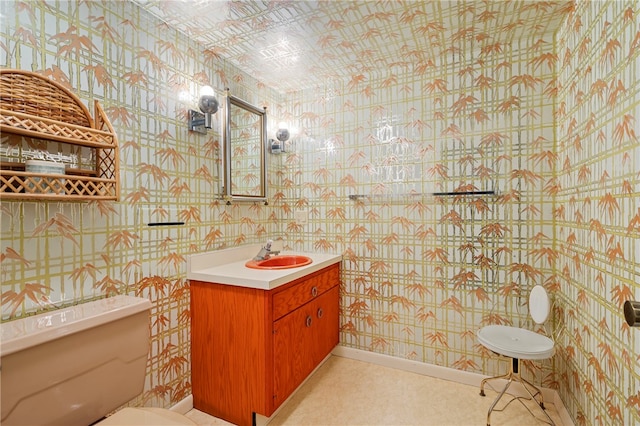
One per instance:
(297, 295)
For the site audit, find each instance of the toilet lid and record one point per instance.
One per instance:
(539, 304)
(146, 416)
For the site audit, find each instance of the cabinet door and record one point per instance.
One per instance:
(292, 358)
(327, 325)
(301, 340)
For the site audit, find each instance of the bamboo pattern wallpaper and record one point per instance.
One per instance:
(597, 212)
(55, 254)
(544, 114)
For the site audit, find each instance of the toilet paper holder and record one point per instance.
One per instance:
(632, 313)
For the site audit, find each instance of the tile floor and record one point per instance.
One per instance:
(344, 391)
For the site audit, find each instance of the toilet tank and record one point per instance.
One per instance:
(74, 365)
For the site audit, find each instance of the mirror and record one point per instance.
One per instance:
(244, 157)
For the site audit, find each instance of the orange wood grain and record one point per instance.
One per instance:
(327, 332)
(299, 292)
(291, 353)
(244, 362)
(230, 335)
(301, 341)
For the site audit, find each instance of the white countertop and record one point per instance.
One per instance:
(228, 267)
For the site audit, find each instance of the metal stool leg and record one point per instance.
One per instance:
(484, 381)
(541, 403)
(495, 401)
(514, 375)
(537, 391)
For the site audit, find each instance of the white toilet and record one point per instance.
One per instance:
(76, 365)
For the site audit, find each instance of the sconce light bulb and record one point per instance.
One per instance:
(207, 91)
(282, 134)
(208, 104)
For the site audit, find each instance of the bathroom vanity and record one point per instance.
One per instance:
(257, 334)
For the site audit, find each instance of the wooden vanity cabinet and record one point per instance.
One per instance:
(251, 348)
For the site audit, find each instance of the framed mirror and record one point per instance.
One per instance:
(245, 150)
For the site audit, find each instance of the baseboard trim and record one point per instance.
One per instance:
(183, 406)
(562, 410)
(431, 370)
(445, 373)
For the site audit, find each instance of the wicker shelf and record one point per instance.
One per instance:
(33, 106)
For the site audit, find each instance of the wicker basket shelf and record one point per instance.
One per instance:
(33, 106)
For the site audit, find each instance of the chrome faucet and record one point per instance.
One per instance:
(266, 252)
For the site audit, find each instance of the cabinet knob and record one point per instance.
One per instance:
(320, 312)
(308, 322)
(314, 291)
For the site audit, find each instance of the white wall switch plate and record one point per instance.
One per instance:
(301, 216)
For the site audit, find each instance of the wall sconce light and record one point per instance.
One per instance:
(277, 146)
(283, 133)
(208, 104)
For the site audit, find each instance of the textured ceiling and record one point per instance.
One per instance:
(290, 45)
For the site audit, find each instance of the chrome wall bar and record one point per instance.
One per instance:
(433, 194)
